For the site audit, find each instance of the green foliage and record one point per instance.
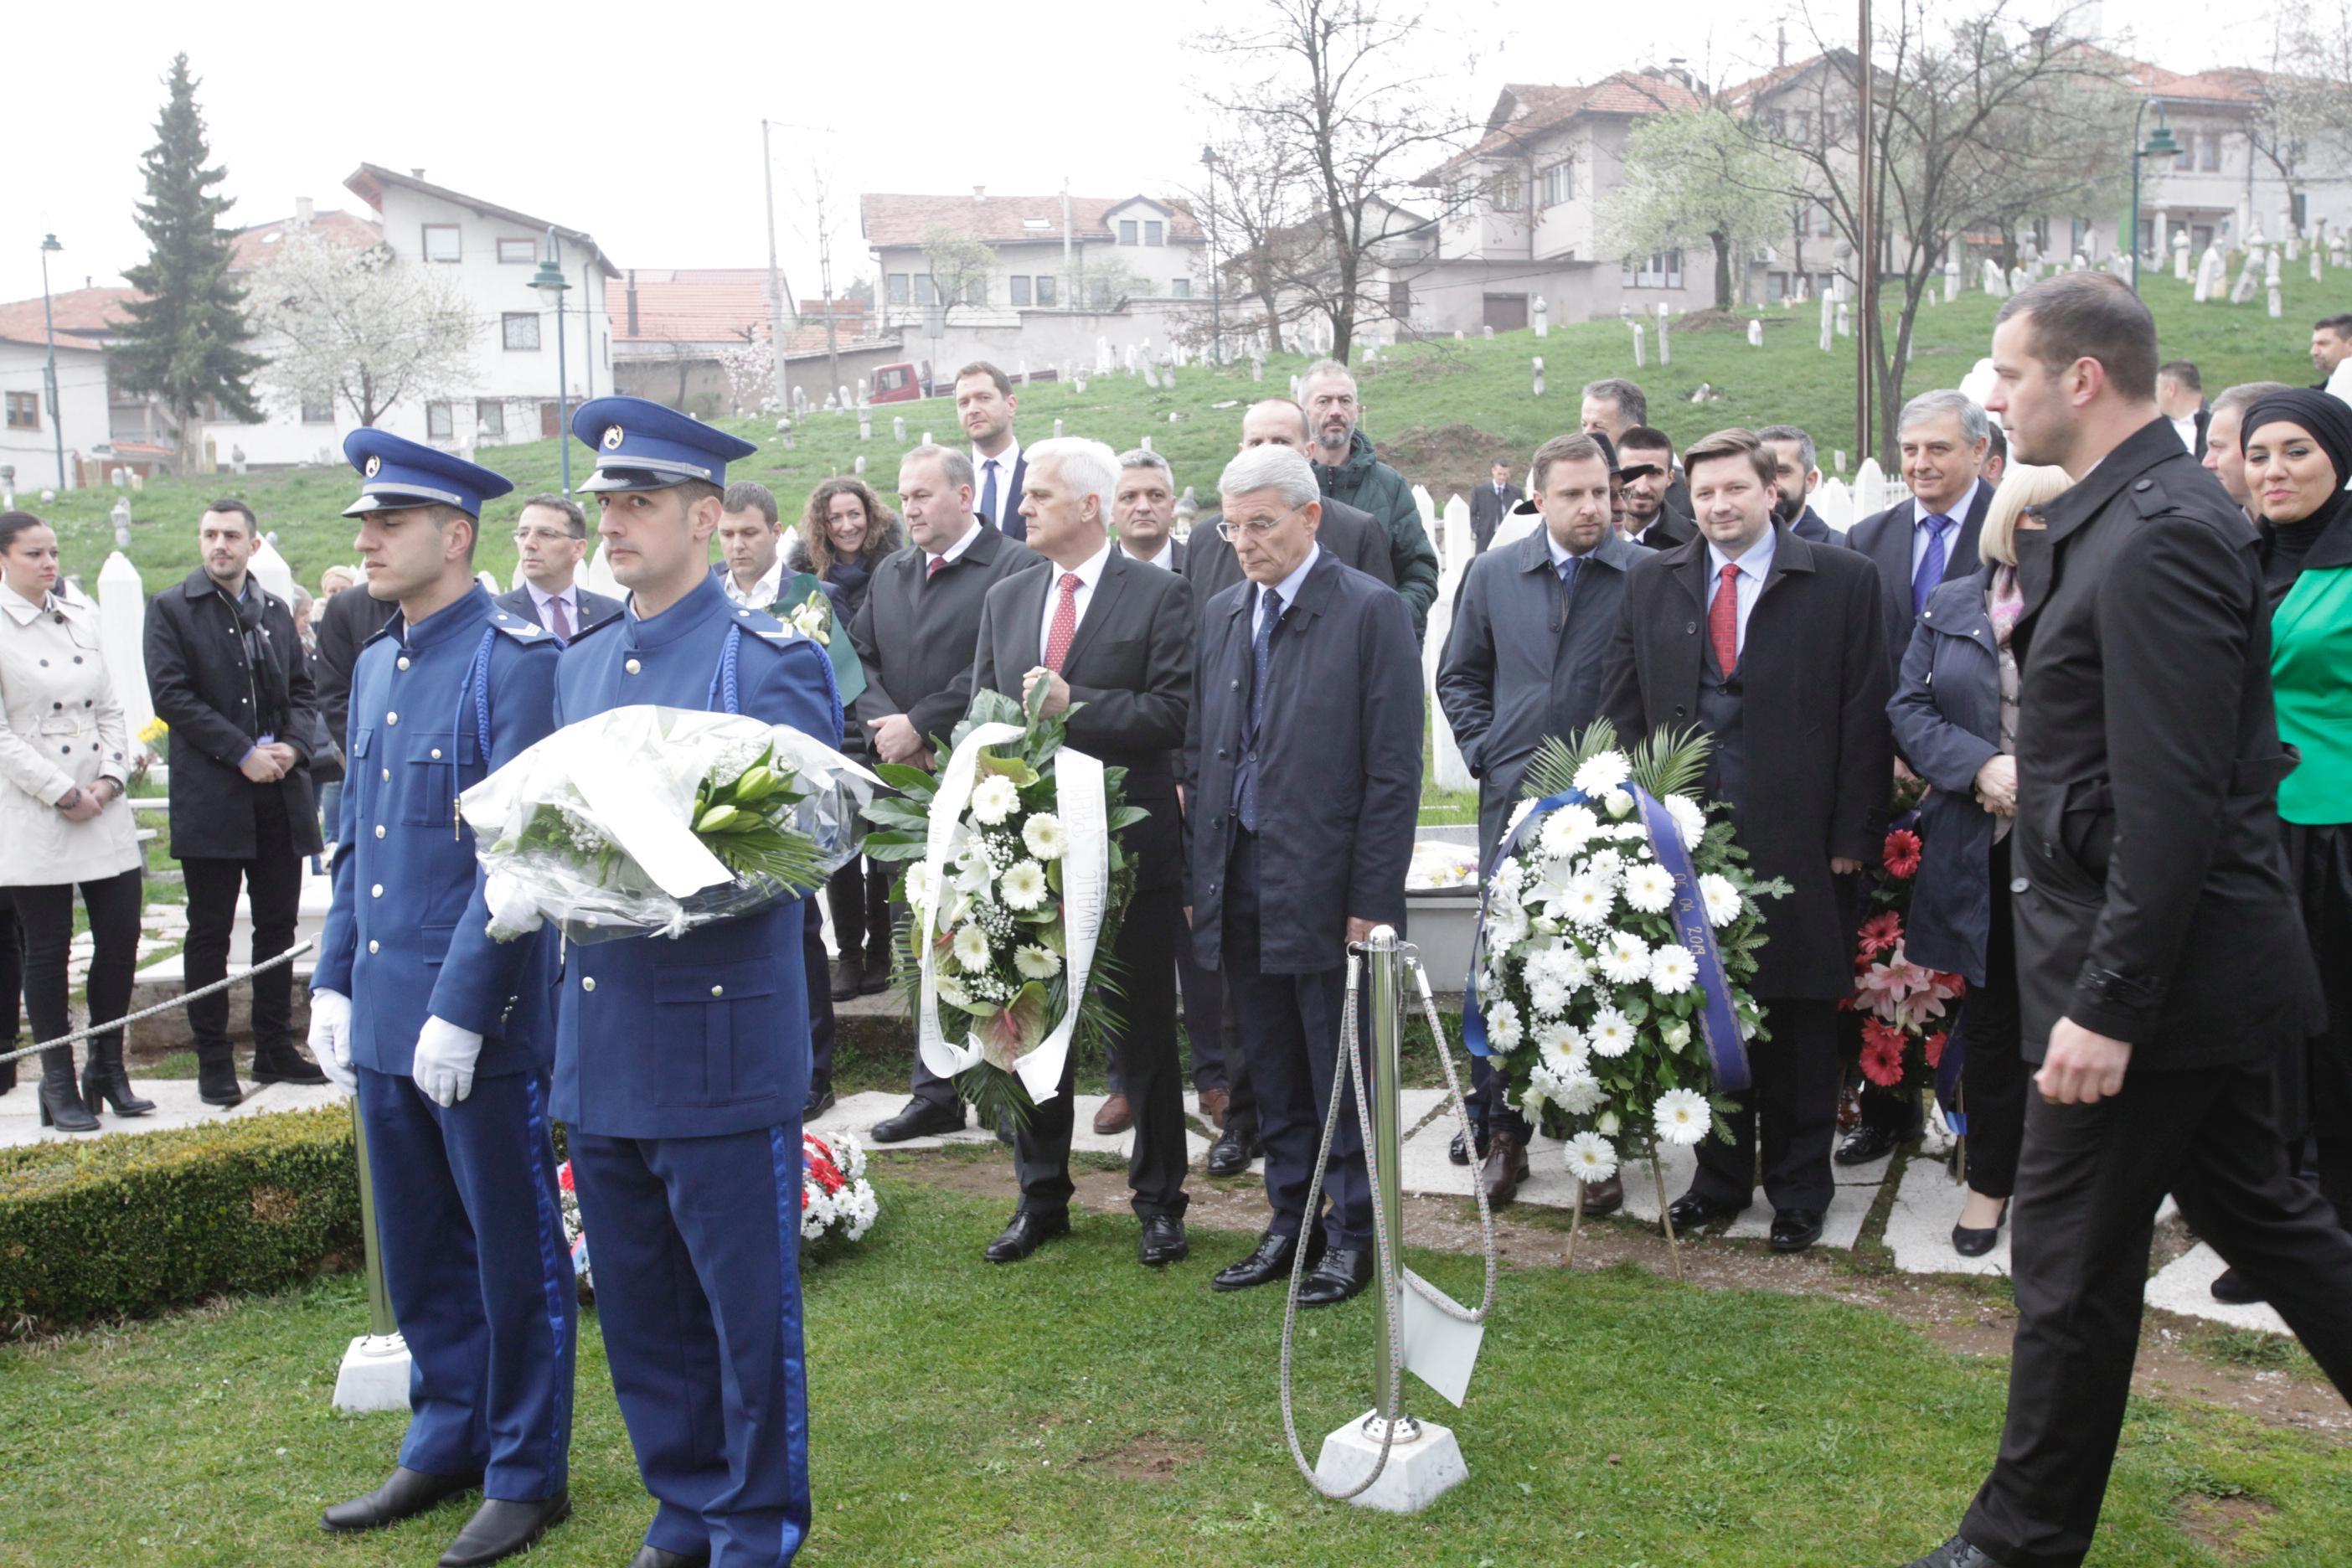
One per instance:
(746, 821)
(132, 1224)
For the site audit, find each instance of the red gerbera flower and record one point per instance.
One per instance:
(1901, 856)
(1935, 1048)
(1881, 1054)
(1880, 934)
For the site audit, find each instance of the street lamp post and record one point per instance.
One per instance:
(2160, 145)
(1216, 279)
(548, 281)
(49, 374)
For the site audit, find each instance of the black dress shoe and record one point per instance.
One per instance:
(655, 1557)
(2232, 1288)
(1970, 1242)
(1268, 1263)
(284, 1064)
(876, 979)
(500, 1528)
(1692, 1212)
(1029, 1231)
(919, 1119)
(848, 974)
(1460, 1151)
(1794, 1230)
(1163, 1241)
(1866, 1144)
(1343, 1273)
(405, 1496)
(820, 1100)
(1231, 1154)
(1957, 1553)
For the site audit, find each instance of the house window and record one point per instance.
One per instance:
(1179, 287)
(1154, 232)
(1822, 226)
(1020, 289)
(1560, 184)
(1503, 194)
(489, 417)
(24, 411)
(1801, 130)
(898, 286)
(2210, 153)
(975, 293)
(441, 242)
(440, 421)
(320, 413)
(1659, 270)
(1098, 293)
(2186, 159)
(927, 292)
(1126, 231)
(1045, 290)
(1399, 299)
(521, 329)
(518, 252)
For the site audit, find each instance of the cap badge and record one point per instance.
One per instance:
(612, 438)
(374, 464)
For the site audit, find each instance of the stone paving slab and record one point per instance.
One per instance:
(1919, 1227)
(2184, 1286)
(176, 1105)
(856, 1113)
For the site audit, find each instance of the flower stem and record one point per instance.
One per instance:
(1674, 1248)
(1575, 1225)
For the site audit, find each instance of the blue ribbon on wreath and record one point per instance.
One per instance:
(1718, 1022)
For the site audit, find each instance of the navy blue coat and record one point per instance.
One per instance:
(708, 1033)
(1886, 538)
(1338, 786)
(1946, 717)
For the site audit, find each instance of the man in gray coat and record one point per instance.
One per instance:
(1531, 629)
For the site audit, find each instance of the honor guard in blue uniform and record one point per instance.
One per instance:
(682, 1064)
(447, 1037)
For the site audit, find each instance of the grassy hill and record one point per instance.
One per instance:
(1441, 411)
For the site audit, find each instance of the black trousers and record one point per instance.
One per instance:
(1155, 1082)
(1213, 1061)
(12, 973)
(272, 881)
(1489, 1103)
(819, 1001)
(47, 916)
(1792, 1110)
(858, 895)
(1993, 1074)
(2089, 1183)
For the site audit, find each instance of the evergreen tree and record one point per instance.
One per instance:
(180, 342)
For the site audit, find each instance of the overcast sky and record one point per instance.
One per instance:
(604, 118)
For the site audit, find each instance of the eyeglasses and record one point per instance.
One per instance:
(1256, 528)
(540, 535)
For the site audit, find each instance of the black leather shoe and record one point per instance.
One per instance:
(1794, 1230)
(820, 1100)
(1231, 1154)
(405, 1496)
(1344, 1272)
(655, 1557)
(877, 980)
(919, 1119)
(2232, 1288)
(1460, 1151)
(1866, 1144)
(1027, 1233)
(1163, 1241)
(1604, 1198)
(1957, 1553)
(1692, 1212)
(1268, 1263)
(848, 974)
(500, 1528)
(216, 1083)
(284, 1064)
(1970, 1242)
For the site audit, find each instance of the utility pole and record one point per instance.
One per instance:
(775, 274)
(823, 194)
(1866, 248)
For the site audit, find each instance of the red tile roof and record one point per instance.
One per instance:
(82, 316)
(717, 305)
(256, 244)
(1529, 108)
(995, 220)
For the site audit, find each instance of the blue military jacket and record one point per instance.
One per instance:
(407, 937)
(708, 1033)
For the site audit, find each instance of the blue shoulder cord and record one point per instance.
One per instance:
(725, 695)
(475, 685)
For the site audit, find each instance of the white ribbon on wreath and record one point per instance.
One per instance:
(1085, 888)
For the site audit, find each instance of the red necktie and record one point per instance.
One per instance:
(1066, 623)
(1723, 621)
(932, 569)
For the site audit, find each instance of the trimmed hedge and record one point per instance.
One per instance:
(130, 1224)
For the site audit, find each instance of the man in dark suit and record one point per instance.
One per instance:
(1490, 503)
(984, 407)
(1645, 471)
(1531, 626)
(1143, 510)
(1110, 638)
(1617, 408)
(1798, 475)
(551, 535)
(2180, 397)
(1303, 765)
(1771, 645)
(2161, 966)
(1931, 538)
(915, 635)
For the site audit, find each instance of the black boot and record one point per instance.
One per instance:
(104, 1080)
(61, 1106)
(217, 1076)
(8, 1072)
(284, 1064)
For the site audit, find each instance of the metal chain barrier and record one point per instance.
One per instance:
(289, 956)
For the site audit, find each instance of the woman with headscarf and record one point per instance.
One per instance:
(2298, 460)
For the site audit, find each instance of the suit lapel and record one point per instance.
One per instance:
(1018, 636)
(1962, 563)
(1099, 606)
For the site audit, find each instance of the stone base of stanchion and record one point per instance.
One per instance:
(1418, 1473)
(374, 1374)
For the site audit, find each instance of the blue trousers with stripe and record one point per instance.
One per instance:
(480, 1279)
(697, 1249)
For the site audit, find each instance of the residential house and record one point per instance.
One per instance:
(101, 427)
(674, 330)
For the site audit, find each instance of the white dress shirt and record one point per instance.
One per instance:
(2187, 430)
(1921, 533)
(1090, 572)
(2340, 383)
(1165, 559)
(759, 595)
(1006, 461)
(1754, 567)
(953, 552)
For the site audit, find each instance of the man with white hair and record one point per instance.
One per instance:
(1109, 640)
(1347, 470)
(1931, 538)
(1303, 767)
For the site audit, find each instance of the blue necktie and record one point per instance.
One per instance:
(988, 494)
(1568, 571)
(1262, 660)
(1931, 564)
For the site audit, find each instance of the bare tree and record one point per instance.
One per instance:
(959, 268)
(1341, 85)
(1250, 201)
(352, 325)
(2311, 77)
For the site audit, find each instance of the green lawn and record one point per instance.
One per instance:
(1440, 410)
(1077, 1409)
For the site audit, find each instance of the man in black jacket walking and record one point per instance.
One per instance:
(2161, 962)
(226, 672)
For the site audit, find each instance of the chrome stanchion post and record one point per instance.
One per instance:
(1386, 984)
(375, 1374)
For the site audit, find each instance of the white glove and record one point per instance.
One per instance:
(444, 1060)
(513, 912)
(330, 1037)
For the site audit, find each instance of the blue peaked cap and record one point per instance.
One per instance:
(396, 471)
(642, 446)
